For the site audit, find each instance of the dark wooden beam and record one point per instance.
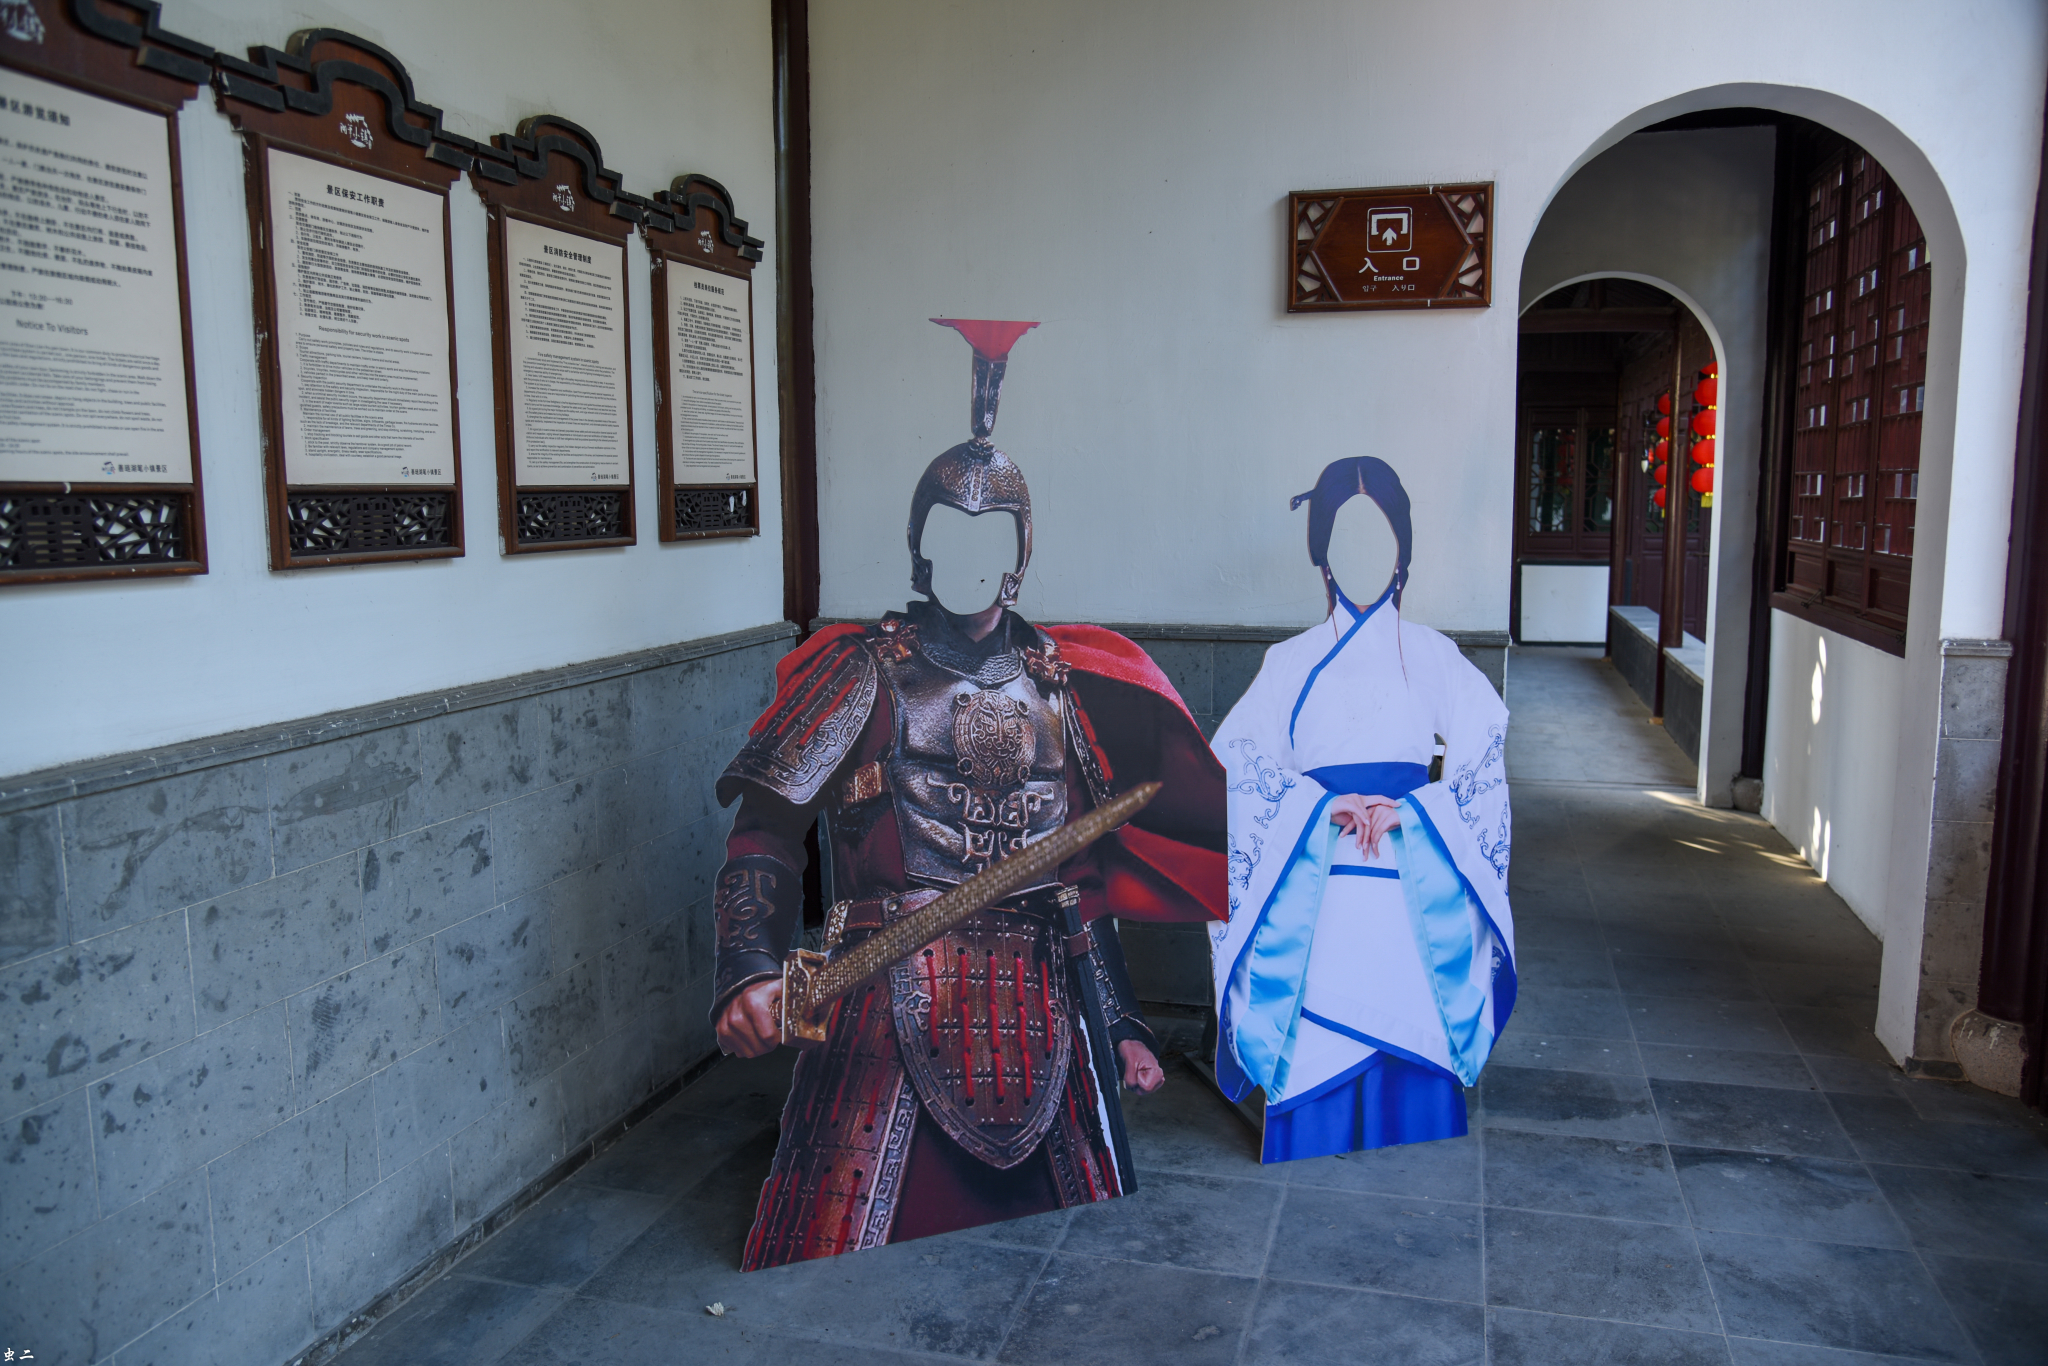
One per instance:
(797, 390)
(1599, 320)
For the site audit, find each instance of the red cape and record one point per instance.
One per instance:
(1147, 876)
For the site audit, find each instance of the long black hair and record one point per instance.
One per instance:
(1340, 481)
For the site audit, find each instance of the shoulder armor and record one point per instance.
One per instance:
(816, 720)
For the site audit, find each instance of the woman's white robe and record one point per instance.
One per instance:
(1359, 994)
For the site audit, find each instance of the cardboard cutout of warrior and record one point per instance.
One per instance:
(977, 1079)
(1368, 963)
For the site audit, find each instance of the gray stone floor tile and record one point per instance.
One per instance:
(742, 1089)
(1887, 1129)
(1855, 1076)
(1796, 1197)
(1443, 1169)
(1084, 1312)
(1757, 1352)
(1863, 1299)
(669, 1153)
(566, 1237)
(585, 1332)
(1965, 1104)
(1971, 1214)
(1428, 1248)
(1842, 1033)
(1588, 1268)
(1662, 939)
(2003, 1306)
(456, 1321)
(1685, 1020)
(1560, 1102)
(1833, 945)
(1735, 1067)
(1562, 969)
(1706, 1114)
(1565, 1174)
(1185, 1126)
(1520, 1047)
(1715, 978)
(1519, 1337)
(1558, 915)
(1204, 1223)
(1807, 984)
(1307, 1325)
(1594, 1014)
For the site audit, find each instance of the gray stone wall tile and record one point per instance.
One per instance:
(1959, 860)
(554, 1022)
(548, 834)
(499, 1155)
(490, 958)
(1237, 664)
(430, 878)
(656, 793)
(367, 1245)
(46, 1186)
(611, 1079)
(1190, 665)
(1952, 940)
(1972, 698)
(272, 1188)
(588, 728)
(137, 852)
(73, 1016)
(717, 692)
(1965, 779)
(471, 760)
(177, 1111)
(32, 901)
(445, 1087)
(680, 1030)
(328, 799)
(266, 942)
(262, 1314)
(700, 852)
(347, 1027)
(641, 973)
(595, 907)
(89, 1294)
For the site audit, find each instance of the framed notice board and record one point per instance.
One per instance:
(349, 177)
(704, 363)
(99, 429)
(1392, 248)
(561, 338)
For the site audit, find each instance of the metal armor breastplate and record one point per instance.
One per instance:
(978, 767)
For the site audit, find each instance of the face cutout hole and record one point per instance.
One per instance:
(1363, 550)
(969, 555)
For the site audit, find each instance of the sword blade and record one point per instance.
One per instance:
(891, 944)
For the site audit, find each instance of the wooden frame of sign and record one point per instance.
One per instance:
(706, 433)
(559, 228)
(82, 79)
(1394, 247)
(363, 445)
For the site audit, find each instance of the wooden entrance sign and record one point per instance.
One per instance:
(1407, 246)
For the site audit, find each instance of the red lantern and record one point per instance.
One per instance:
(1662, 452)
(1706, 391)
(1664, 403)
(1657, 497)
(1663, 426)
(1703, 480)
(1703, 422)
(1711, 368)
(1703, 451)
(1662, 473)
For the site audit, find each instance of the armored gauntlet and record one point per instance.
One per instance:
(759, 906)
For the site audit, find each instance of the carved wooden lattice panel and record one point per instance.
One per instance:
(366, 523)
(52, 531)
(552, 517)
(703, 511)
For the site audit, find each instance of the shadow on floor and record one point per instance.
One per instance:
(1688, 1148)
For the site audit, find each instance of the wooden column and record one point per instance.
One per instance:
(1671, 613)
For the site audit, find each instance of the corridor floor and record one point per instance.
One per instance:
(1688, 1148)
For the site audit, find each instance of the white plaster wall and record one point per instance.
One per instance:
(1119, 172)
(666, 88)
(1564, 602)
(1691, 213)
(1831, 772)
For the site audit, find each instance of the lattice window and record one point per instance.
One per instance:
(1858, 388)
(42, 531)
(552, 518)
(726, 511)
(350, 523)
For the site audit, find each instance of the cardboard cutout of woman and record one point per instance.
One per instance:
(1368, 963)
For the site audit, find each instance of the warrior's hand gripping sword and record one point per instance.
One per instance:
(812, 981)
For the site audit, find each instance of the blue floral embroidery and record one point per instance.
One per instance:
(1241, 866)
(1468, 786)
(1266, 782)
